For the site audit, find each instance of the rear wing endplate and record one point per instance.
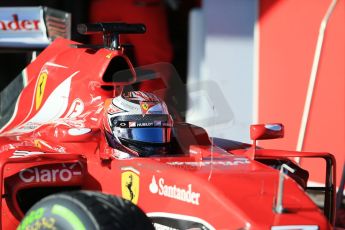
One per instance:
(32, 27)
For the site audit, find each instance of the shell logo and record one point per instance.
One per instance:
(41, 84)
(37, 143)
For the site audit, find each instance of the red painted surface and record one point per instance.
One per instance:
(288, 36)
(192, 181)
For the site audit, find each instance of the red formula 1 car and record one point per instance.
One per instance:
(92, 143)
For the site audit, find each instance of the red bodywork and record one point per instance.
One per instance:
(55, 142)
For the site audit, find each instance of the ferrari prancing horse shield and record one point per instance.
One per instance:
(41, 84)
(130, 186)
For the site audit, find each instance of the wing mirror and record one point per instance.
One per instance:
(265, 132)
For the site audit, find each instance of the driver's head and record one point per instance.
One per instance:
(138, 122)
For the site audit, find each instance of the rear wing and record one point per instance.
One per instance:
(32, 27)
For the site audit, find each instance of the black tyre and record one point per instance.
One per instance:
(79, 210)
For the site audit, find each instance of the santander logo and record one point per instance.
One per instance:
(19, 25)
(184, 194)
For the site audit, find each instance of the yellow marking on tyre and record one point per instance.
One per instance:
(69, 216)
(31, 218)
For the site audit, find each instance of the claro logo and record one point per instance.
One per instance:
(52, 174)
(19, 25)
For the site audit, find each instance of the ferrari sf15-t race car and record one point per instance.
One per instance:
(89, 142)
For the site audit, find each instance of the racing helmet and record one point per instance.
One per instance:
(138, 122)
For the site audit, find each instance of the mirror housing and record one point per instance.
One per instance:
(266, 131)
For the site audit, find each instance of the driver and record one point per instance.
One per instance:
(139, 123)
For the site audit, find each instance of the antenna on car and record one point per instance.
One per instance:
(278, 208)
(111, 33)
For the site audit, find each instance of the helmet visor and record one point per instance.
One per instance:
(150, 129)
(157, 135)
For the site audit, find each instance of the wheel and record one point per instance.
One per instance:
(79, 210)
